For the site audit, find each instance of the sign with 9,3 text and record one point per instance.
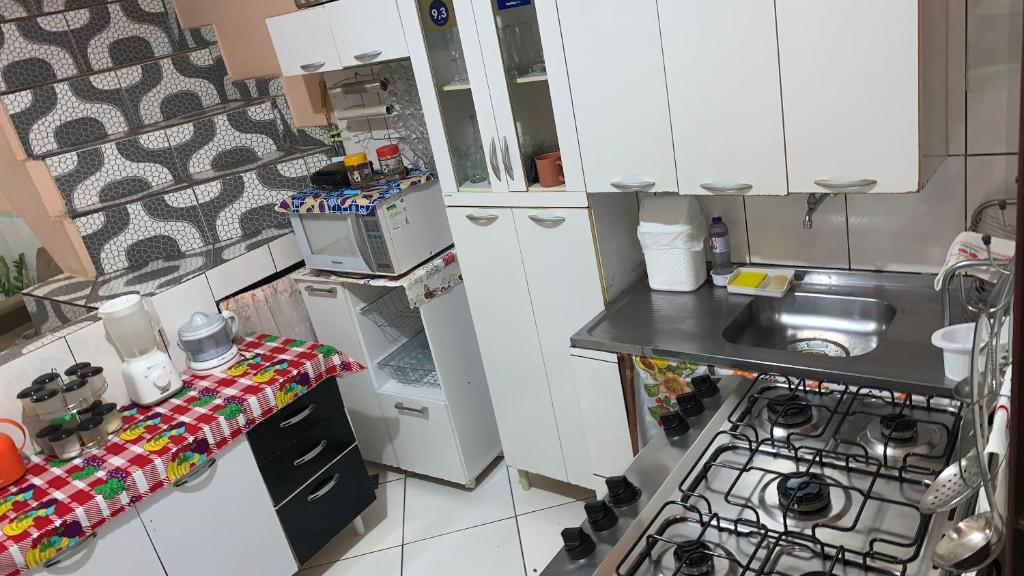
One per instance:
(438, 12)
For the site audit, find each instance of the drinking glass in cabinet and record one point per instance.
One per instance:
(522, 49)
(458, 60)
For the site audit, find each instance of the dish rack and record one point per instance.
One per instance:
(392, 310)
(412, 363)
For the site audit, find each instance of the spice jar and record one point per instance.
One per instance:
(389, 158)
(48, 379)
(73, 370)
(77, 394)
(48, 404)
(111, 417)
(25, 396)
(65, 443)
(360, 175)
(93, 433)
(43, 439)
(97, 381)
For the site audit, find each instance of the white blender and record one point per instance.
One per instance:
(148, 373)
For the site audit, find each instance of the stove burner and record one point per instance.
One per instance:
(898, 427)
(790, 410)
(811, 491)
(694, 558)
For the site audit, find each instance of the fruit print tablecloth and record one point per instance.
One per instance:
(59, 502)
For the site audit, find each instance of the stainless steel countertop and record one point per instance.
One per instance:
(689, 325)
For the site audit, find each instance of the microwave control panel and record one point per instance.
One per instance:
(377, 244)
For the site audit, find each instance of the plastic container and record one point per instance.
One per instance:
(42, 439)
(25, 396)
(77, 394)
(74, 368)
(721, 254)
(129, 324)
(65, 444)
(48, 404)
(97, 381)
(93, 433)
(672, 233)
(360, 175)
(390, 160)
(956, 342)
(111, 417)
(772, 282)
(48, 379)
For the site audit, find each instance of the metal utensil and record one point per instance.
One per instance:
(953, 485)
(976, 540)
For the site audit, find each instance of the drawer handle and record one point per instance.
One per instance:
(196, 472)
(506, 157)
(368, 55)
(312, 66)
(324, 489)
(740, 187)
(317, 291)
(547, 219)
(69, 551)
(311, 454)
(634, 186)
(298, 417)
(847, 185)
(403, 408)
(482, 218)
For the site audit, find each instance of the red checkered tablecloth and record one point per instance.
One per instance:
(58, 502)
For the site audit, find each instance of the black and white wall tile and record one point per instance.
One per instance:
(68, 114)
(121, 33)
(11, 9)
(173, 87)
(228, 141)
(115, 171)
(64, 287)
(49, 315)
(298, 137)
(35, 51)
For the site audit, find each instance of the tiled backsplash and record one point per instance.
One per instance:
(909, 232)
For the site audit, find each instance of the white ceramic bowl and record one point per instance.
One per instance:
(956, 342)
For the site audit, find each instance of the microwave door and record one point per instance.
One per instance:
(338, 243)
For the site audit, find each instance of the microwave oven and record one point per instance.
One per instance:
(398, 235)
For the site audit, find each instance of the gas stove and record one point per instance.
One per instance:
(775, 476)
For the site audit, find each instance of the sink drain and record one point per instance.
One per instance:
(819, 346)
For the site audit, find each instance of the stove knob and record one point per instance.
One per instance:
(621, 492)
(705, 386)
(600, 515)
(689, 404)
(578, 544)
(674, 424)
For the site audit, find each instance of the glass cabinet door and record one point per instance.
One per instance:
(471, 136)
(510, 34)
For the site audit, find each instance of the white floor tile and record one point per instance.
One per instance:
(492, 549)
(543, 493)
(433, 508)
(541, 533)
(387, 473)
(383, 522)
(384, 563)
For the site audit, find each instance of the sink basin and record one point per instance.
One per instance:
(828, 324)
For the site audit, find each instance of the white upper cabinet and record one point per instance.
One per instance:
(864, 93)
(303, 42)
(721, 64)
(366, 31)
(613, 53)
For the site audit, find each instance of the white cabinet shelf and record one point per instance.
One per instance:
(412, 364)
(535, 77)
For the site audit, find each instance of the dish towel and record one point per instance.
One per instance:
(968, 246)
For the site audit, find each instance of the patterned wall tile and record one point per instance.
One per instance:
(121, 33)
(243, 206)
(315, 162)
(62, 5)
(173, 87)
(17, 8)
(50, 315)
(68, 114)
(113, 171)
(35, 51)
(227, 141)
(135, 235)
(298, 137)
(200, 37)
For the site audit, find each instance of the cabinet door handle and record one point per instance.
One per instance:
(311, 454)
(546, 219)
(69, 551)
(324, 489)
(367, 55)
(403, 408)
(325, 292)
(298, 417)
(312, 66)
(845, 185)
(633, 186)
(494, 159)
(196, 472)
(481, 218)
(506, 157)
(739, 187)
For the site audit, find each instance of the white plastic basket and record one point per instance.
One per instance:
(674, 262)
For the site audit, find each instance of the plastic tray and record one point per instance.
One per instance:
(761, 290)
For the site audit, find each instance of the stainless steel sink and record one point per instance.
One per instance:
(811, 323)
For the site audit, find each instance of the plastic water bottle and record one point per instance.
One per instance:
(721, 255)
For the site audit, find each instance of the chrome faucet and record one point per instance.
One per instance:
(814, 202)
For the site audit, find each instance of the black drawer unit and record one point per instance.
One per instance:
(292, 467)
(321, 407)
(314, 515)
